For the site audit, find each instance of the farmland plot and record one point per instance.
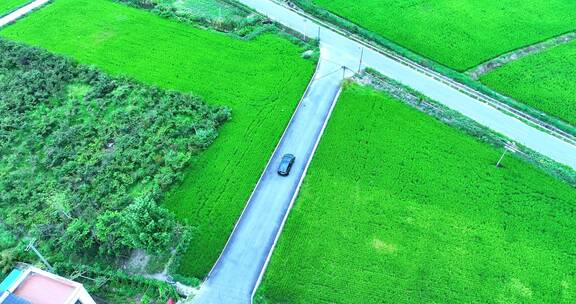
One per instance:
(458, 33)
(7, 6)
(260, 80)
(412, 211)
(544, 81)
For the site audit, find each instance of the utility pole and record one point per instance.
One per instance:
(501, 158)
(31, 246)
(508, 147)
(318, 34)
(361, 59)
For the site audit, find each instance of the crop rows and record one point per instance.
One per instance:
(544, 81)
(399, 208)
(7, 6)
(260, 80)
(459, 33)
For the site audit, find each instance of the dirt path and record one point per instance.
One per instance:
(501, 60)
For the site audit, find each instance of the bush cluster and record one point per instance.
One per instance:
(113, 286)
(241, 25)
(84, 157)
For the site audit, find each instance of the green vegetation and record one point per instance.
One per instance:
(544, 81)
(459, 34)
(433, 63)
(413, 211)
(206, 9)
(7, 6)
(117, 287)
(86, 157)
(260, 80)
(220, 15)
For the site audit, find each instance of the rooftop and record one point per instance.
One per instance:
(35, 286)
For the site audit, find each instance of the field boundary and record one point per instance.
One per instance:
(457, 80)
(296, 193)
(550, 128)
(519, 53)
(263, 171)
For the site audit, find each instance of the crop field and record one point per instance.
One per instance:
(410, 210)
(544, 81)
(8, 5)
(260, 80)
(459, 33)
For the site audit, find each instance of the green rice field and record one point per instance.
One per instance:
(458, 33)
(260, 80)
(400, 208)
(7, 6)
(544, 81)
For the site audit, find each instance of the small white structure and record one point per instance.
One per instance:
(31, 285)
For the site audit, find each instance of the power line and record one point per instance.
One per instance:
(31, 246)
(326, 75)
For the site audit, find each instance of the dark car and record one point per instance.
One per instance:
(286, 164)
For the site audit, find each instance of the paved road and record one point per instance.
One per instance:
(21, 12)
(346, 52)
(239, 269)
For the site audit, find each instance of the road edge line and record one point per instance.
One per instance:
(265, 168)
(316, 144)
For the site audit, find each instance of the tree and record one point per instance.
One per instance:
(78, 237)
(148, 226)
(110, 232)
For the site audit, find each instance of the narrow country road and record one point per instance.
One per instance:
(346, 52)
(237, 273)
(239, 269)
(13, 16)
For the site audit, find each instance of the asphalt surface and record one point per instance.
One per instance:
(346, 52)
(239, 269)
(13, 16)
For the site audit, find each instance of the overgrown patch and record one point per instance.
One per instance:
(87, 157)
(261, 80)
